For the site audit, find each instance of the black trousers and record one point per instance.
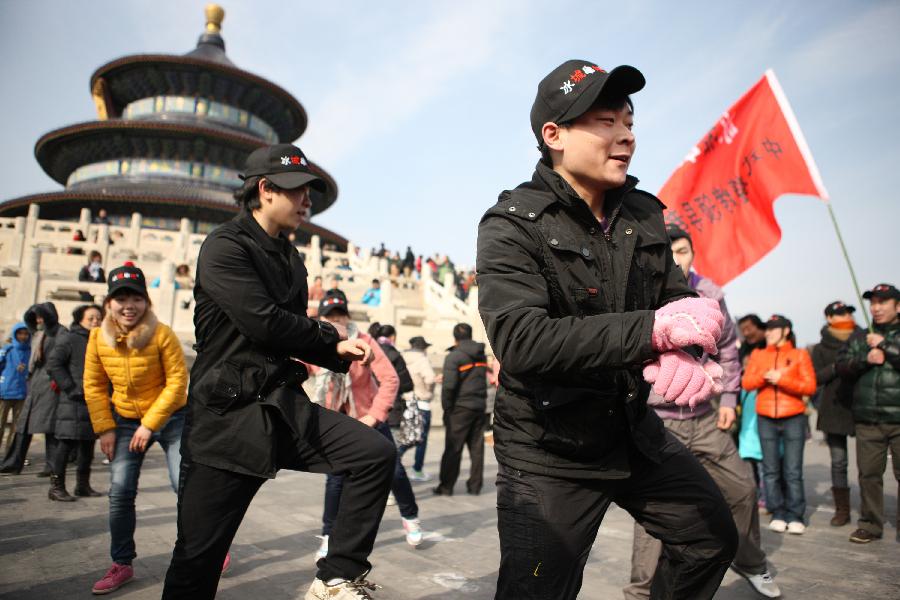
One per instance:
(464, 427)
(548, 525)
(18, 451)
(212, 502)
(85, 455)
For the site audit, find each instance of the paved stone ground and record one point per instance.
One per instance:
(52, 550)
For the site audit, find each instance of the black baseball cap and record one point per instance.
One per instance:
(285, 165)
(418, 343)
(128, 278)
(882, 291)
(778, 321)
(333, 300)
(838, 308)
(573, 87)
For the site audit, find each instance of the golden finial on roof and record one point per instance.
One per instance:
(215, 14)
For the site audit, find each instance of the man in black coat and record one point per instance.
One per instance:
(464, 400)
(579, 292)
(247, 414)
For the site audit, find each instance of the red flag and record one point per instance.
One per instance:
(723, 192)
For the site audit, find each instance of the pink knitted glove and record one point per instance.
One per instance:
(678, 378)
(687, 322)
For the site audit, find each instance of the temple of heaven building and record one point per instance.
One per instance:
(172, 133)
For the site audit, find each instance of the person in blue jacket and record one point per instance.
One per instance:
(14, 378)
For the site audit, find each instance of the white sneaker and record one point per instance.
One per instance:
(419, 475)
(796, 527)
(778, 525)
(322, 552)
(764, 583)
(413, 530)
(341, 590)
(391, 501)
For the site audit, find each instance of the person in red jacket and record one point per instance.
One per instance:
(783, 375)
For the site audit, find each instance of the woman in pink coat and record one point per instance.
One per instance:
(366, 392)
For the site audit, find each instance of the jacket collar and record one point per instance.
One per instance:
(246, 222)
(549, 179)
(136, 339)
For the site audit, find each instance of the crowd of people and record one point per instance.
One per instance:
(623, 379)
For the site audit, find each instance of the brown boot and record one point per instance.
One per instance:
(58, 489)
(841, 506)
(83, 486)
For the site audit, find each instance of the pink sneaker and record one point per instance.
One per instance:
(117, 576)
(227, 564)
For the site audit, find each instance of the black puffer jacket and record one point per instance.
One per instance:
(569, 312)
(251, 321)
(406, 383)
(66, 367)
(835, 392)
(465, 377)
(876, 389)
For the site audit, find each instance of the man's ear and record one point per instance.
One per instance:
(553, 135)
(261, 189)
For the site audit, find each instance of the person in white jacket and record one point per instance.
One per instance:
(423, 377)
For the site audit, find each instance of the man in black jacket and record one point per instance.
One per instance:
(579, 292)
(248, 416)
(464, 400)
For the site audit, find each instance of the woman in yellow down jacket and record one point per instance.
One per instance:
(143, 361)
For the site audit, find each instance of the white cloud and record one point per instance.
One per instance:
(365, 103)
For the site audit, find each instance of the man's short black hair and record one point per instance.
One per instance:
(462, 331)
(247, 196)
(378, 281)
(604, 102)
(753, 318)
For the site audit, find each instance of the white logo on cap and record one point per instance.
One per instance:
(285, 160)
(567, 87)
(587, 70)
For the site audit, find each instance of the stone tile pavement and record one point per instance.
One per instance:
(52, 551)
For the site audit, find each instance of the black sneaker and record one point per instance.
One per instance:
(439, 491)
(863, 536)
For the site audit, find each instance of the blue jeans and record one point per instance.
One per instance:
(419, 462)
(400, 486)
(125, 470)
(790, 433)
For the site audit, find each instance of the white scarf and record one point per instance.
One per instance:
(333, 390)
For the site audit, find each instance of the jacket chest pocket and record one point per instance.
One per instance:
(589, 301)
(573, 260)
(645, 279)
(226, 391)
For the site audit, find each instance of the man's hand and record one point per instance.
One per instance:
(369, 420)
(875, 357)
(773, 376)
(354, 350)
(108, 443)
(140, 440)
(688, 322)
(873, 339)
(727, 417)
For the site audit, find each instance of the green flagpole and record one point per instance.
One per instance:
(840, 238)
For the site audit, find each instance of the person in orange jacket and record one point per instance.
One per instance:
(783, 375)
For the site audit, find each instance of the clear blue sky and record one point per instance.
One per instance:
(420, 110)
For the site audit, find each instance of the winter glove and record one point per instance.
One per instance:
(54, 386)
(687, 322)
(680, 379)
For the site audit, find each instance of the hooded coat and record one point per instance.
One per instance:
(66, 367)
(39, 413)
(14, 358)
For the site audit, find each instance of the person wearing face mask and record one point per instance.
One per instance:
(73, 421)
(141, 359)
(784, 375)
(39, 412)
(93, 271)
(835, 418)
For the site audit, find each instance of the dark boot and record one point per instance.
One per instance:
(83, 486)
(58, 489)
(841, 506)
